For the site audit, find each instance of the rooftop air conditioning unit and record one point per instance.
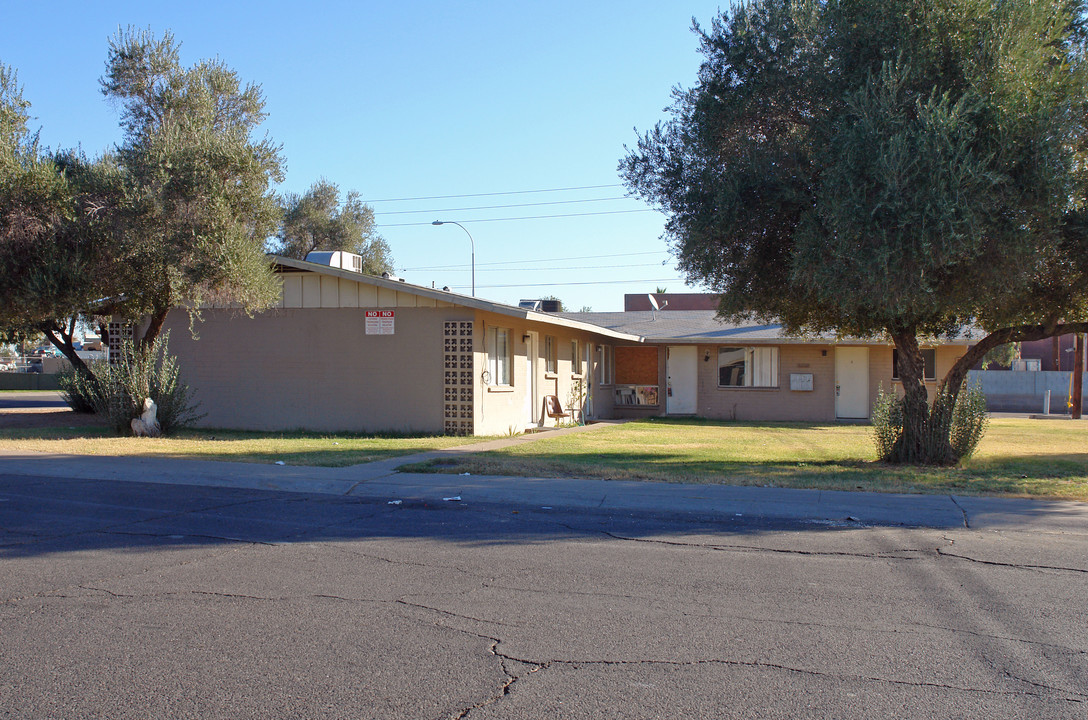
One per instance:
(337, 259)
(549, 306)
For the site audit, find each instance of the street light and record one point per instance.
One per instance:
(471, 242)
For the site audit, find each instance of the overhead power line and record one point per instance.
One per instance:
(492, 194)
(598, 282)
(538, 260)
(567, 268)
(496, 207)
(527, 217)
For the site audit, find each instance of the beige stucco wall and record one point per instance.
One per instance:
(781, 403)
(513, 408)
(315, 368)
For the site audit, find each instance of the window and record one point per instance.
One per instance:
(575, 360)
(605, 358)
(551, 355)
(929, 357)
(498, 360)
(748, 367)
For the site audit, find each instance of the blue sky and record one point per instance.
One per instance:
(419, 100)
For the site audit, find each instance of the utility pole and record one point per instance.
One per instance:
(1078, 377)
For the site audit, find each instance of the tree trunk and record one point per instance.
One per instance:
(158, 319)
(62, 339)
(953, 381)
(925, 436)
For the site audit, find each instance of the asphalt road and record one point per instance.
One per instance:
(131, 600)
(31, 399)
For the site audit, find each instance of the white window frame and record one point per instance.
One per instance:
(929, 367)
(605, 374)
(760, 366)
(498, 346)
(575, 359)
(551, 355)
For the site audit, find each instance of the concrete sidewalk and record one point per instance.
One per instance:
(380, 481)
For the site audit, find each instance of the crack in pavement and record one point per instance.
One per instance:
(505, 688)
(54, 592)
(1018, 566)
(966, 523)
(538, 665)
(1044, 686)
(1078, 695)
(448, 613)
(408, 563)
(906, 554)
(1004, 638)
(200, 536)
(906, 627)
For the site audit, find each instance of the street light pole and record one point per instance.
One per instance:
(471, 242)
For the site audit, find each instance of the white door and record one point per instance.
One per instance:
(681, 368)
(852, 383)
(532, 407)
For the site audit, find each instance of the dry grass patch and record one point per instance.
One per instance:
(296, 448)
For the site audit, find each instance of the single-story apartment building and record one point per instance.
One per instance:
(690, 363)
(345, 351)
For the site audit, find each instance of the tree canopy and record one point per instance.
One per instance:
(199, 203)
(906, 168)
(56, 223)
(317, 220)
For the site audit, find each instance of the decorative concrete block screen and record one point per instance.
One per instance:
(457, 363)
(118, 333)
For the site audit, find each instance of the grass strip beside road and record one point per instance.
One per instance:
(294, 448)
(1017, 457)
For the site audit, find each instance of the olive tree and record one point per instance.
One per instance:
(318, 220)
(198, 198)
(904, 169)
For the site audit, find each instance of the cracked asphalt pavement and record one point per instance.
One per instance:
(132, 600)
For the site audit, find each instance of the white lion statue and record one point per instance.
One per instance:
(147, 425)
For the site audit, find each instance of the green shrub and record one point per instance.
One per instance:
(150, 373)
(969, 421)
(887, 423)
(79, 390)
(951, 435)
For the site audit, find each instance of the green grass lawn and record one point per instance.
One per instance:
(1016, 457)
(295, 448)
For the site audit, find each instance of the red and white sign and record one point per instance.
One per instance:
(379, 322)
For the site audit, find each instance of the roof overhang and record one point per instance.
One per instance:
(467, 301)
